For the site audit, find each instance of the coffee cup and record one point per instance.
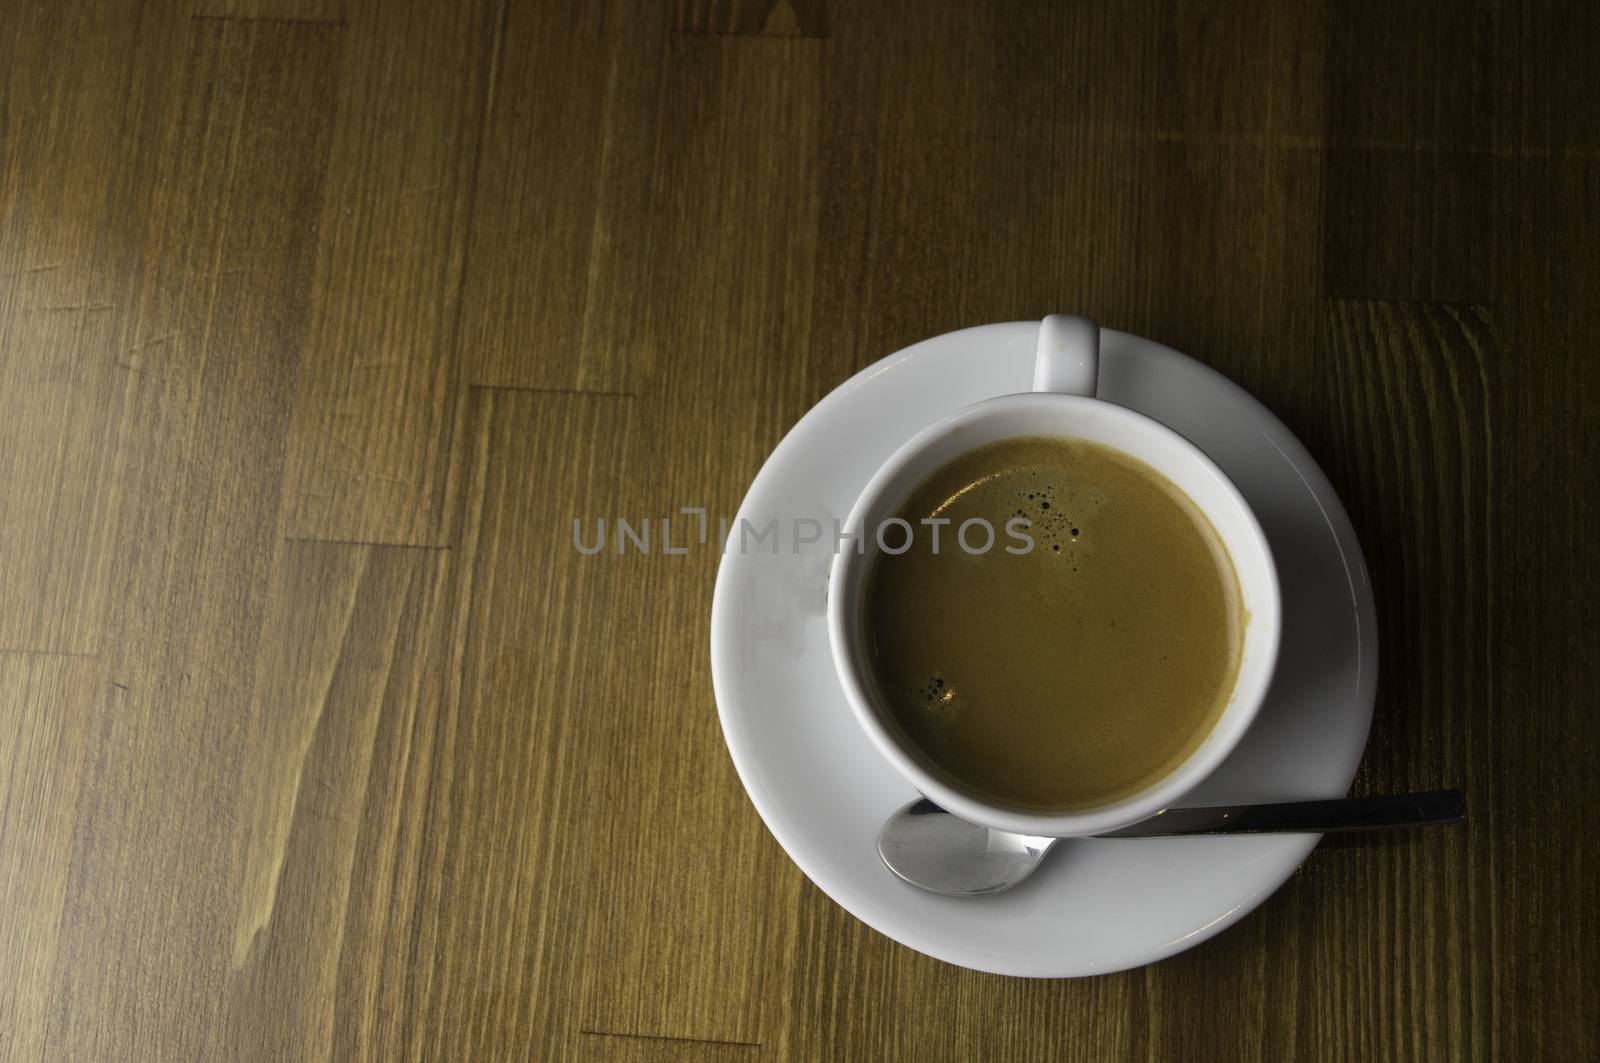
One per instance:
(1062, 405)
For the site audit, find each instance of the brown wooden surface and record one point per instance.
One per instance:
(320, 319)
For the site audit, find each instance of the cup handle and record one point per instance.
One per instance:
(1068, 356)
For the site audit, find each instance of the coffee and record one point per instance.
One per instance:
(1069, 675)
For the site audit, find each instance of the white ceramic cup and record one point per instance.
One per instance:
(1061, 404)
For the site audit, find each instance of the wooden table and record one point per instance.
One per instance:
(321, 319)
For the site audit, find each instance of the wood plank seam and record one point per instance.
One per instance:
(21, 651)
(365, 542)
(744, 36)
(519, 389)
(669, 1037)
(1446, 304)
(277, 20)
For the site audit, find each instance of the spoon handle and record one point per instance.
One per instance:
(1305, 817)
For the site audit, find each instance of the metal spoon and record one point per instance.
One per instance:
(929, 847)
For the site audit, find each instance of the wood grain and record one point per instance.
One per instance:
(779, 18)
(323, 11)
(1546, 669)
(708, 414)
(201, 429)
(369, 449)
(62, 278)
(517, 791)
(557, 166)
(1418, 380)
(321, 320)
(345, 685)
(47, 702)
(1415, 129)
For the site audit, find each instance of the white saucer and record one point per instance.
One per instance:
(1096, 906)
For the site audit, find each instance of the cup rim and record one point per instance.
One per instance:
(1225, 733)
